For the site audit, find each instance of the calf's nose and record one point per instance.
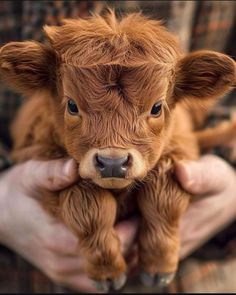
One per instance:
(112, 167)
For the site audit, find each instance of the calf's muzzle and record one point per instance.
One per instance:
(112, 167)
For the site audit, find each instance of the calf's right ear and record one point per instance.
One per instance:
(28, 66)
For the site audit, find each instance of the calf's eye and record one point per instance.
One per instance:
(156, 109)
(72, 107)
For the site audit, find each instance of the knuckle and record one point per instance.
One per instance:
(50, 242)
(59, 245)
(51, 245)
(57, 278)
(56, 182)
(61, 241)
(56, 269)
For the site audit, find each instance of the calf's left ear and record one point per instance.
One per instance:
(204, 75)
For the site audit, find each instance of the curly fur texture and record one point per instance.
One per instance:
(115, 71)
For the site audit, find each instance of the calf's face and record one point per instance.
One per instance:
(116, 120)
(113, 87)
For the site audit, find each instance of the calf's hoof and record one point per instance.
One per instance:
(110, 284)
(160, 279)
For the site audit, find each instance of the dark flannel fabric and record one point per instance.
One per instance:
(214, 22)
(199, 24)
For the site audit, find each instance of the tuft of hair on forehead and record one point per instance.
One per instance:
(131, 41)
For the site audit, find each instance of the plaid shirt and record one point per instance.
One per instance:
(199, 24)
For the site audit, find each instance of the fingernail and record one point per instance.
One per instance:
(184, 171)
(68, 167)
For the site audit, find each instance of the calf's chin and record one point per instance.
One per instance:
(113, 183)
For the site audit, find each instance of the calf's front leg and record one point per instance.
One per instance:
(90, 213)
(162, 203)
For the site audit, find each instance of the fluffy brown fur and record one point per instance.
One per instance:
(115, 71)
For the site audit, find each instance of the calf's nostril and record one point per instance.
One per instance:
(99, 164)
(126, 163)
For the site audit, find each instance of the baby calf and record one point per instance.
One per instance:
(110, 94)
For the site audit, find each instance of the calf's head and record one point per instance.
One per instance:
(113, 86)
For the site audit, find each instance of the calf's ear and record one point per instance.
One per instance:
(204, 75)
(28, 66)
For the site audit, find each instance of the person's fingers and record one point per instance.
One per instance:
(59, 239)
(52, 175)
(127, 231)
(63, 265)
(208, 175)
(204, 218)
(78, 282)
(82, 283)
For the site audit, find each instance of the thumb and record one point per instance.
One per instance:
(127, 231)
(208, 175)
(51, 175)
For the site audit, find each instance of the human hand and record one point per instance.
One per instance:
(42, 240)
(212, 181)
